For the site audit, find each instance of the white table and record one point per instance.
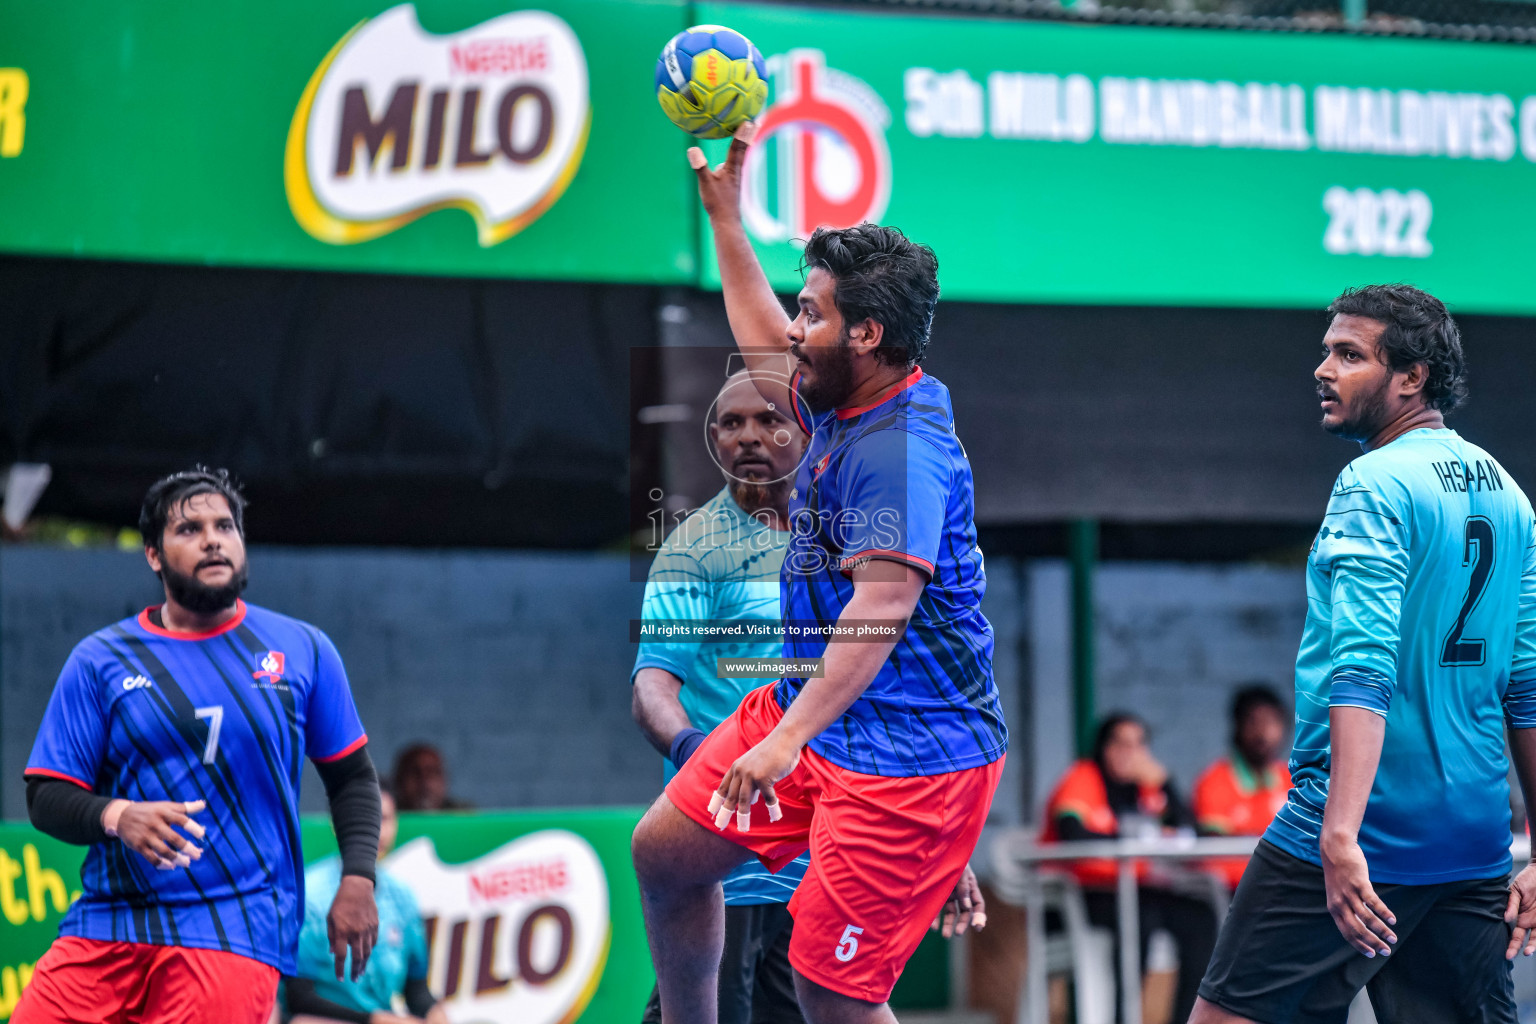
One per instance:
(1018, 848)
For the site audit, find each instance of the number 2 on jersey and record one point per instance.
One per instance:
(215, 716)
(1457, 650)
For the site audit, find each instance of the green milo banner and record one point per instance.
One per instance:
(532, 917)
(1084, 163)
(39, 879)
(464, 137)
(1044, 162)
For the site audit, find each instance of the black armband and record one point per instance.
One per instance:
(684, 744)
(418, 997)
(353, 788)
(302, 998)
(66, 811)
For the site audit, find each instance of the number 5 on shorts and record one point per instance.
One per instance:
(848, 944)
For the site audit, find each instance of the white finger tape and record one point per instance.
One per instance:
(722, 818)
(744, 819)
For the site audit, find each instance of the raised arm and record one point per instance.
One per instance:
(757, 319)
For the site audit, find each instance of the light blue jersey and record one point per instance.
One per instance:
(1421, 606)
(719, 565)
(399, 955)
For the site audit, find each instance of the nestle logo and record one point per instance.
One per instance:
(519, 881)
(499, 56)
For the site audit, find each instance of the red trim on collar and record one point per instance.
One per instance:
(171, 634)
(912, 378)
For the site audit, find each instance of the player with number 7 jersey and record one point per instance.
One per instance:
(172, 745)
(1388, 866)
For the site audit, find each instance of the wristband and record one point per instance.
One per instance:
(684, 744)
(106, 813)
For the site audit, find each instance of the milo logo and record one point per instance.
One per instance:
(396, 123)
(520, 934)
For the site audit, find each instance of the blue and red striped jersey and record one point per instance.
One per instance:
(890, 481)
(228, 717)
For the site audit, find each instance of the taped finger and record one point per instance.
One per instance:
(715, 801)
(722, 818)
(744, 818)
(696, 158)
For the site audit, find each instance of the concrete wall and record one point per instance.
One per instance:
(517, 663)
(1172, 641)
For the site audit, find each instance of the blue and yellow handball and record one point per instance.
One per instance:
(710, 80)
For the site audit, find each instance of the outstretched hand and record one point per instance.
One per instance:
(1362, 918)
(352, 924)
(965, 908)
(1520, 915)
(150, 827)
(750, 776)
(720, 188)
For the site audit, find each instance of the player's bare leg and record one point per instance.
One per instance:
(823, 1006)
(680, 864)
(1210, 1013)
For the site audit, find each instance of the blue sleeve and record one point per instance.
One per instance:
(895, 501)
(73, 737)
(332, 728)
(677, 589)
(1520, 697)
(1363, 546)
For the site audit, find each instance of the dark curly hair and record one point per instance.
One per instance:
(170, 492)
(1419, 329)
(1249, 699)
(1106, 731)
(881, 276)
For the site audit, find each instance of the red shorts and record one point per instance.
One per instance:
(87, 981)
(885, 852)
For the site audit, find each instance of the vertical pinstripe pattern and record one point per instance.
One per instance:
(933, 707)
(149, 716)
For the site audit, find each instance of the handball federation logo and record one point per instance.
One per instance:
(271, 667)
(825, 136)
(396, 123)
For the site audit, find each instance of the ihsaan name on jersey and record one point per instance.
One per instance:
(1482, 475)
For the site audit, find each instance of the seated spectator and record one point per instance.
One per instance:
(421, 780)
(397, 966)
(1240, 794)
(1122, 790)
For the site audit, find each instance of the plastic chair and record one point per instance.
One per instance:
(1084, 952)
